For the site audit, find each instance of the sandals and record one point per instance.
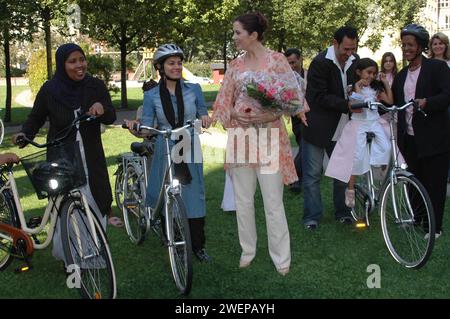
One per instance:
(115, 221)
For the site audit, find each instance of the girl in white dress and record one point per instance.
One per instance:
(350, 157)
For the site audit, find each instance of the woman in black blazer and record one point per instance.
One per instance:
(424, 140)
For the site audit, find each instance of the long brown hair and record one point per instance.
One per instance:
(383, 60)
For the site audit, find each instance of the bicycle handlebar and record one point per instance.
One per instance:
(23, 140)
(138, 128)
(393, 108)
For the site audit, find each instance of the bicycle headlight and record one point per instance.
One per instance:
(403, 166)
(53, 184)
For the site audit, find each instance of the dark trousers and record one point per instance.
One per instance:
(432, 173)
(197, 229)
(296, 129)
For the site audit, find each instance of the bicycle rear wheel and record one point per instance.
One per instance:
(87, 250)
(405, 232)
(180, 250)
(118, 187)
(134, 203)
(7, 216)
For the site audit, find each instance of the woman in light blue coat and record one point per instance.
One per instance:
(171, 104)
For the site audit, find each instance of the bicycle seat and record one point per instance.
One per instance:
(143, 149)
(370, 136)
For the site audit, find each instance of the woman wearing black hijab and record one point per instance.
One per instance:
(72, 90)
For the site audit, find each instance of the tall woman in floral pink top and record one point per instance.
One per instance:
(249, 143)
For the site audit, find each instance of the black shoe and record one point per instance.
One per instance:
(347, 220)
(295, 187)
(311, 227)
(202, 256)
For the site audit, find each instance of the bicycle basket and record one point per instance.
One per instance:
(56, 170)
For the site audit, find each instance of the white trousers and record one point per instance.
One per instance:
(244, 182)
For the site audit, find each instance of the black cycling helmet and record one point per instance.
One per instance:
(421, 34)
(165, 51)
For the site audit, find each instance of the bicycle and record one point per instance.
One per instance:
(406, 212)
(168, 219)
(131, 174)
(57, 174)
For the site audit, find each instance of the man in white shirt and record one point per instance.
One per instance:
(330, 74)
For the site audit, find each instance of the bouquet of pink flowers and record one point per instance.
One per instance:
(274, 94)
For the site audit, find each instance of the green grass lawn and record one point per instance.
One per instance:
(135, 96)
(19, 113)
(329, 263)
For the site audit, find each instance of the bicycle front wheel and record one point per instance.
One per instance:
(87, 252)
(179, 237)
(407, 221)
(134, 203)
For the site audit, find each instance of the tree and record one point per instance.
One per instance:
(44, 12)
(126, 24)
(15, 24)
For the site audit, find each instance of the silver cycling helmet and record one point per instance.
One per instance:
(420, 33)
(165, 51)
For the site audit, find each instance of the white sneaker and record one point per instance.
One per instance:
(436, 235)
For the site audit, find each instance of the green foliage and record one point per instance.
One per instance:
(37, 70)
(102, 67)
(199, 69)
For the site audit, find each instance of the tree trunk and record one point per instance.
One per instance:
(123, 75)
(7, 117)
(46, 17)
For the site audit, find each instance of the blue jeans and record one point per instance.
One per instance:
(312, 162)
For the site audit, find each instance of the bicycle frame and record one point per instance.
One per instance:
(51, 212)
(55, 202)
(170, 186)
(394, 166)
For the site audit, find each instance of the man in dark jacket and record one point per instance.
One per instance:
(330, 74)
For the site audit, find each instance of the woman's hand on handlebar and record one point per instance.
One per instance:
(131, 124)
(206, 121)
(96, 109)
(9, 158)
(422, 103)
(16, 139)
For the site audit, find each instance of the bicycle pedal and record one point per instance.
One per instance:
(130, 203)
(34, 222)
(361, 223)
(23, 269)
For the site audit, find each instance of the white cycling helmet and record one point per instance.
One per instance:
(165, 51)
